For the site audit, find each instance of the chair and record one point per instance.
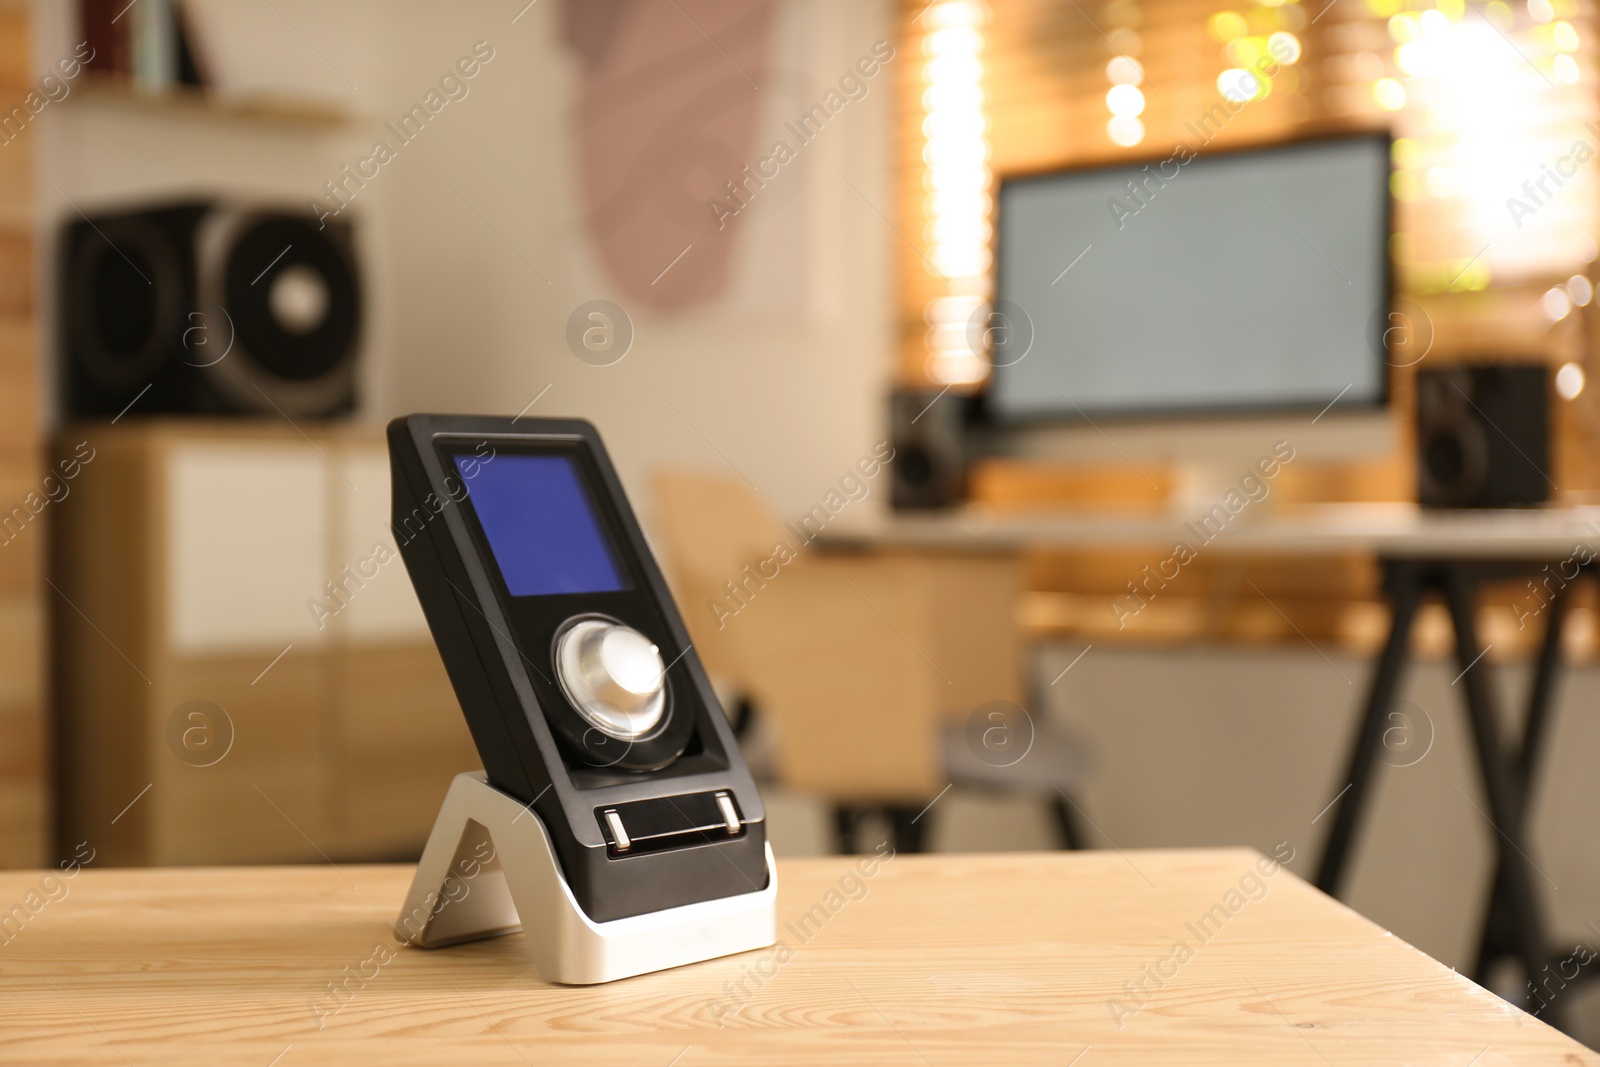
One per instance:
(867, 667)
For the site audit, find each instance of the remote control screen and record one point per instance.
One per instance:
(541, 524)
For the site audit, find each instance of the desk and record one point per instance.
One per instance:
(1421, 553)
(1389, 530)
(974, 959)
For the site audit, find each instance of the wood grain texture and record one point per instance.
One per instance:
(16, 276)
(973, 959)
(24, 771)
(23, 780)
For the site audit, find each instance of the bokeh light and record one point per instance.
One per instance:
(1570, 381)
(956, 153)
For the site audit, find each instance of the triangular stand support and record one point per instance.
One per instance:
(489, 869)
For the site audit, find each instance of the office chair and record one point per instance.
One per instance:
(867, 667)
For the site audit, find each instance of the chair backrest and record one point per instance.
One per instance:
(712, 525)
(852, 705)
(857, 659)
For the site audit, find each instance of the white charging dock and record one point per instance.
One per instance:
(489, 869)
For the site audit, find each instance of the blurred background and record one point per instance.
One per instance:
(755, 243)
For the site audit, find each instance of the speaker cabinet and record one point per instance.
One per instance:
(930, 466)
(208, 308)
(1483, 436)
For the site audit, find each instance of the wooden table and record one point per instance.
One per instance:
(1019, 958)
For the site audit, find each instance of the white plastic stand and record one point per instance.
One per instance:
(489, 869)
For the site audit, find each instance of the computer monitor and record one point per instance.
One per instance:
(1253, 281)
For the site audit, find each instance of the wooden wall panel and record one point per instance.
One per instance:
(19, 415)
(16, 275)
(24, 780)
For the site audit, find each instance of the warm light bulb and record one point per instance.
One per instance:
(952, 310)
(1284, 47)
(953, 70)
(1390, 94)
(955, 41)
(1412, 58)
(1403, 28)
(1556, 303)
(960, 261)
(1238, 85)
(953, 96)
(1125, 101)
(955, 13)
(1225, 26)
(1581, 290)
(1124, 71)
(958, 125)
(1125, 130)
(954, 126)
(1569, 381)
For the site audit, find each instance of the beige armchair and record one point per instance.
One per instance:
(866, 666)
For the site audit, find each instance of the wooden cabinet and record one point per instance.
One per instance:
(242, 674)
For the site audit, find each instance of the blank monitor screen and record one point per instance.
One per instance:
(541, 525)
(1237, 281)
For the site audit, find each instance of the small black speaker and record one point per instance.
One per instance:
(208, 308)
(1483, 436)
(930, 465)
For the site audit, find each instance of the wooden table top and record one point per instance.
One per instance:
(1394, 529)
(1049, 958)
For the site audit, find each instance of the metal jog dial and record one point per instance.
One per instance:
(613, 676)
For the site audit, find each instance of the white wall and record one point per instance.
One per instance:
(784, 374)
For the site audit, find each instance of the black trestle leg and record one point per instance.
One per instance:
(1523, 913)
(1403, 588)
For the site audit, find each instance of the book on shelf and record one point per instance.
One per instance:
(149, 44)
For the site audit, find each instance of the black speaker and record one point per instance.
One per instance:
(208, 308)
(928, 434)
(1483, 436)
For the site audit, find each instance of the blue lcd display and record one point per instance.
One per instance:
(540, 525)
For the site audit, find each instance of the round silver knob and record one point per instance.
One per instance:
(613, 675)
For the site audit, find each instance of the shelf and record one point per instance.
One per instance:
(203, 103)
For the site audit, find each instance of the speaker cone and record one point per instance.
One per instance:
(287, 296)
